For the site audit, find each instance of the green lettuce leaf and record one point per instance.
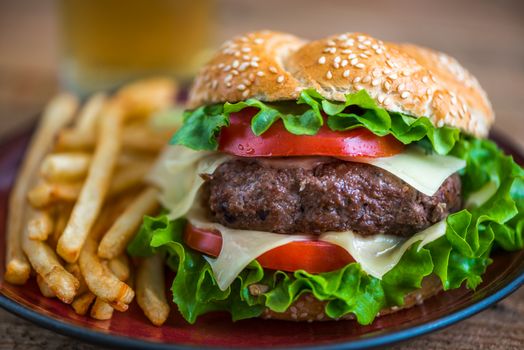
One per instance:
(305, 117)
(461, 256)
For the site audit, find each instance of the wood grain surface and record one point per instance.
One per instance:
(486, 36)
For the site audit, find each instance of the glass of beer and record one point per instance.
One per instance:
(105, 43)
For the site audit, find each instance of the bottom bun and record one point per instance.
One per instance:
(308, 308)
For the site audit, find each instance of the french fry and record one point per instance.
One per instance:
(41, 225)
(139, 138)
(89, 115)
(44, 287)
(114, 243)
(57, 114)
(74, 269)
(96, 185)
(45, 194)
(127, 179)
(65, 166)
(101, 281)
(150, 290)
(146, 96)
(120, 267)
(45, 262)
(62, 213)
(101, 310)
(82, 303)
(83, 135)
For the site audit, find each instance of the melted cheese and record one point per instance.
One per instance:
(482, 195)
(424, 172)
(239, 247)
(378, 254)
(177, 175)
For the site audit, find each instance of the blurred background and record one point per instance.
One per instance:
(83, 45)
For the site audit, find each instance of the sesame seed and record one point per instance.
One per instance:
(234, 72)
(329, 75)
(440, 123)
(360, 65)
(256, 58)
(361, 38)
(367, 42)
(221, 65)
(322, 60)
(401, 87)
(346, 73)
(246, 57)
(246, 82)
(228, 77)
(241, 87)
(387, 85)
(346, 51)
(235, 64)
(381, 98)
(273, 70)
(375, 82)
(354, 61)
(260, 73)
(337, 59)
(243, 66)
(214, 84)
(293, 309)
(331, 43)
(362, 47)
(246, 49)
(344, 63)
(258, 41)
(425, 79)
(363, 55)
(351, 56)
(280, 79)
(228, 84)
(245, 93)
(251, 77)
(227, 68)
(379, 51)
(357, 79)
(393, 76)
(366, 79)
(404, 94)
(303, 315)
(254, 64)
(336, 65)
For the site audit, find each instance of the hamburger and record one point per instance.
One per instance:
(340, 178)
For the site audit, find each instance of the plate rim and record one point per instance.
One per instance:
(95, 337)
(99, 338)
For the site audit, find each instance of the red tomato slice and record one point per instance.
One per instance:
(312, 256)
(239, 140)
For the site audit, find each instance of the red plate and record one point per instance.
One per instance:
(132, 329)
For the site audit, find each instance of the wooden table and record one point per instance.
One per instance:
(486, 36)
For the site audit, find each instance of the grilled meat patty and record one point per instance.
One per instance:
(332, 195)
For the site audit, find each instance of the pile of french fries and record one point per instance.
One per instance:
(80, 197)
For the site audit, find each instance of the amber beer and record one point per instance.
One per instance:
(107, 42)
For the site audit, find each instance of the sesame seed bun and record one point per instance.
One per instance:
(307, 308)
(272, 66)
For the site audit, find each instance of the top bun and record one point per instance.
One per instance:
(272, 66)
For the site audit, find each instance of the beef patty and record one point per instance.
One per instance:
(332, 196)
